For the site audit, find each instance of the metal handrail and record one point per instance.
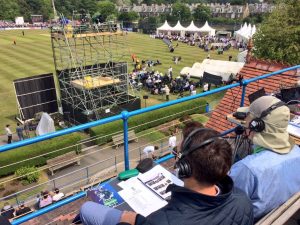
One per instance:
(74, 172)
(125, 116)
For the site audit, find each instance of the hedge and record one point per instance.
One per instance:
(172, 112)
(37, 149)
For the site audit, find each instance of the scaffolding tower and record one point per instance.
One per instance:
(91, 69)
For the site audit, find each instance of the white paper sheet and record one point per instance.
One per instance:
(294, 130)
(140, 198)
(158, 179)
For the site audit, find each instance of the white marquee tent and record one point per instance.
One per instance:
(164, 28)
(178, 29)
(245, 33)
(241, 57)
(192, 28)
(253, 31)
(215, 67)
(208, 29)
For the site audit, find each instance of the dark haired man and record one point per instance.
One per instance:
(208, 196)
(4, 221)
(19, 131)
(57, 195)
(8, 133)
(7, 211)
(22, 209)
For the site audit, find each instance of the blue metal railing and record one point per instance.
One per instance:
(68, 200)
(82, 194)
(124, 116)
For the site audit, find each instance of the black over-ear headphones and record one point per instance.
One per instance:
(182, 166)
(257, 124)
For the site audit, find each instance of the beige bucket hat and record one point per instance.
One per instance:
(275, 136)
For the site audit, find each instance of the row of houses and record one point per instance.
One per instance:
(218, 10)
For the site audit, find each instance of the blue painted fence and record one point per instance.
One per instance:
(124, 116)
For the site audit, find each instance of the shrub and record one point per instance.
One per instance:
(148, 120)
(28, 175)
(185, 118)
(38, 149)
(9, 192)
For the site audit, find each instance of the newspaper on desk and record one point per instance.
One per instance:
(294, 127)
(146, 193)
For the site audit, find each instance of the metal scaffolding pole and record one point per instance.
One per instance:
(90, 65)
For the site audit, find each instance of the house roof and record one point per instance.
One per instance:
(232, 98)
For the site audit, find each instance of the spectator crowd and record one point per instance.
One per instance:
(207, 43)
(46, 198)
(4, 24)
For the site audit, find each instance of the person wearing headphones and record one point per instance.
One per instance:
(4, 220)
(208, 195)
(269, 176)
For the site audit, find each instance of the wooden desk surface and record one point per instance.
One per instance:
(236, 121)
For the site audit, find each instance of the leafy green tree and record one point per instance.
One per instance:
(134, 2)
(105, 9)
(254, 18)
(111, 17)
(181, 11)
(171, 1)
(149, 24)
(88, 5)
(66, 7)
(148, 2)
(28, 175)
(202, 13)
(128, 16)
(278, 38)
(238, 2)
(9, 9)
(223, 20)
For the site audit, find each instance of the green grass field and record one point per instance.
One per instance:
(33, 56)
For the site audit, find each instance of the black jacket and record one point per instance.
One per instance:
(187, 207)
(9, 213)
(4, 221)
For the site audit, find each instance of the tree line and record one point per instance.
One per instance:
(13, 8)
(277, 37)
(233, 2)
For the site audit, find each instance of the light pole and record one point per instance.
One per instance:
(54, 11)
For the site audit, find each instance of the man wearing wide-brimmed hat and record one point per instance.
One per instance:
(270, 176)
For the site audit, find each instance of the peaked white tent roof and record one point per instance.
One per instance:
(178, 27)
(192, 28)
(165, 26)
(253, 30)
(216, 67)
(207, 28)
(242, 29)
(245, 32)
